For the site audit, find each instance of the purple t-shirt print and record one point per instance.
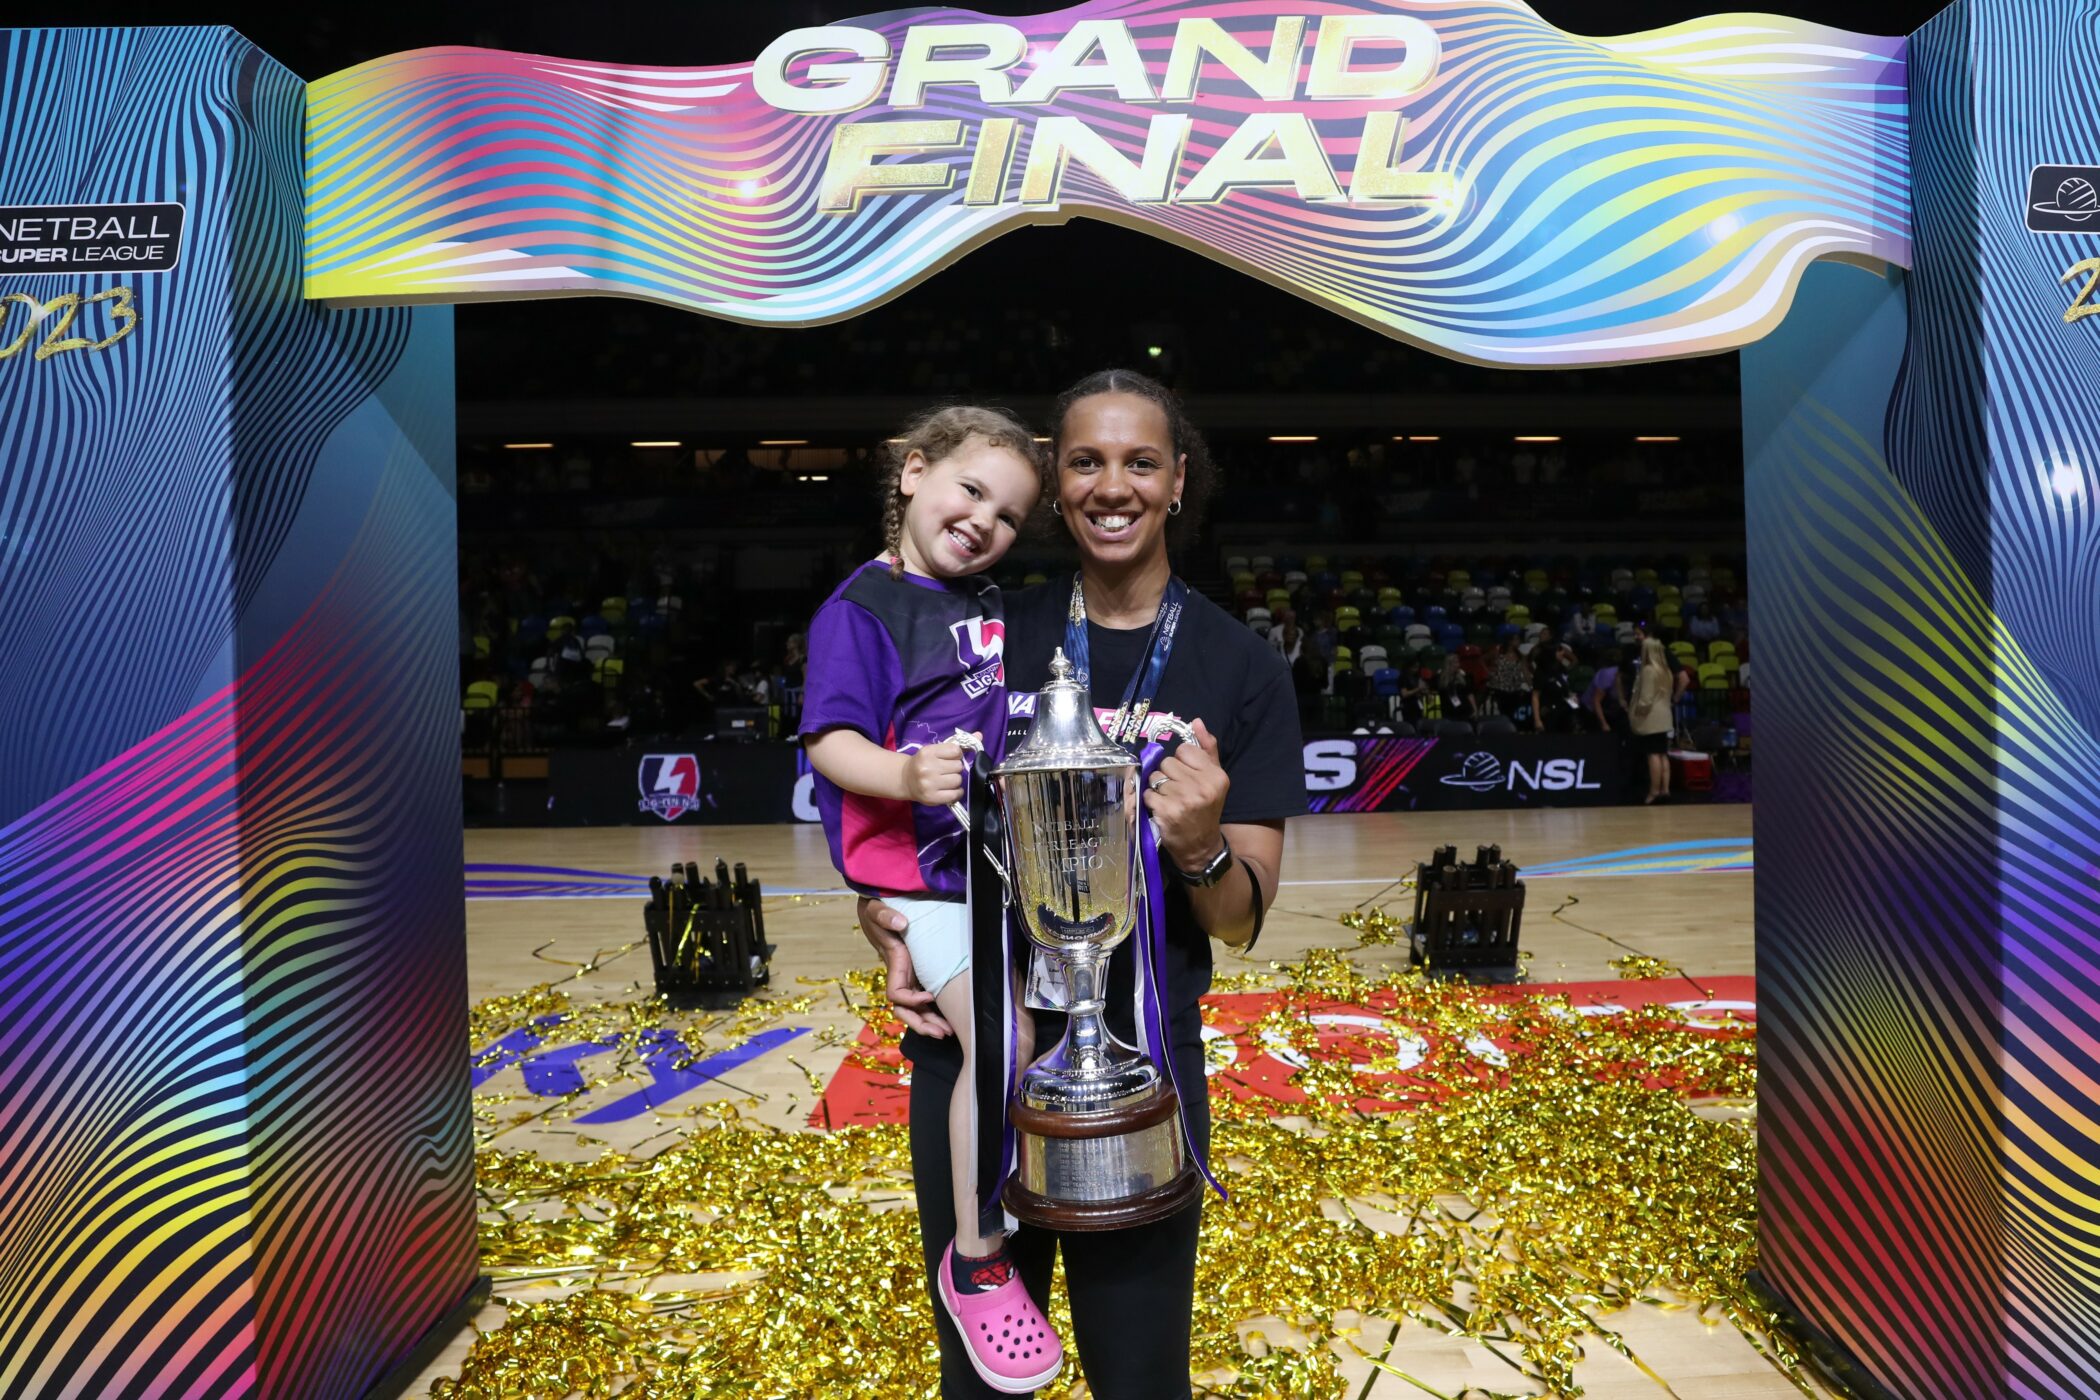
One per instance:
(905, 662)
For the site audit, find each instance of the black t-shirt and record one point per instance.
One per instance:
(1220, 672)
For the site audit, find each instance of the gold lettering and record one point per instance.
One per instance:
(1378, 175)
(57, 340)
(120, 308)
(851, 172)
(1145, 183)
(7, 306)
(919, 66)
(1273, 79)
(838, 87)
(1243, 162)
(68, 305)
(990, 162)
(1332, 78)
(2083, 304)
(1121, 66)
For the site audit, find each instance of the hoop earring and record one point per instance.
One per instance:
(1057, 508)
(1175, 507)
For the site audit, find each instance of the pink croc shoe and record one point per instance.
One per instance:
(1012, 1346)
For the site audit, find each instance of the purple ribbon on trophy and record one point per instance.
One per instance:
(1152, 962)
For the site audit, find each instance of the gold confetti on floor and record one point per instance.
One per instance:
(1528, 1200)
(1639, 967)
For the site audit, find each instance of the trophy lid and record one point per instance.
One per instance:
(1064, 734)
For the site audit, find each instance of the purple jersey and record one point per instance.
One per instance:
(906, 663)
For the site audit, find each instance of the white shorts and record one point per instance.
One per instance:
(938, 937)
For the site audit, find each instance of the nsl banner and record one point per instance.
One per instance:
(713, 784)
(1463, 176)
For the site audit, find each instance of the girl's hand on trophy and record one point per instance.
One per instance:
(1187, 797)
(884, 927)
(934, 775)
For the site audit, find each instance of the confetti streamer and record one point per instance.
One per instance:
(1520, 1203)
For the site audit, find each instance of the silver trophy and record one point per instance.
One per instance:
(1098, 1128)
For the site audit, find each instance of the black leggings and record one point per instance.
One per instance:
(1132, 1290)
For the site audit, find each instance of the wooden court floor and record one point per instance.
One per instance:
(1670, 883)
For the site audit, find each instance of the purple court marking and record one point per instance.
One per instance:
(661, 1053)
(557, 1073)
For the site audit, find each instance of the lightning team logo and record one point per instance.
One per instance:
(670, 784)
(980, 644)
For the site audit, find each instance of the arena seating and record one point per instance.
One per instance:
(1382, 620)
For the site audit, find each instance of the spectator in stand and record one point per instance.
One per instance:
(1684, 683)
(566, 653)
(1324, 638)
(711, 693)
(1286, 636)
(795, 659)
(1652, 714)
(1309, 680)
(1454, 691)
(1553, 703)
(1702, 626)
(1582, 625)
(1419, 693)
(1508, 681)
(1605, 700)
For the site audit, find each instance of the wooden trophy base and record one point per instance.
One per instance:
(1157, 1119)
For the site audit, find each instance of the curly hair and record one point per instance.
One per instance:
(936, 434)
(1200, 476)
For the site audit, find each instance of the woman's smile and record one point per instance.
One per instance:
(1118, 472)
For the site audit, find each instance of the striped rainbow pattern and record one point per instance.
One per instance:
(1926, 550)
(235, 1142)
(1614, 199)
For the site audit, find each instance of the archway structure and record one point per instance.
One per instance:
(234, 1134)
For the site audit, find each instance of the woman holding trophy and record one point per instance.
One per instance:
(1161, 664)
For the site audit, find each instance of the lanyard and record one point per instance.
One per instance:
(1127, 724)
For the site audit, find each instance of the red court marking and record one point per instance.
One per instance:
(872, 1085)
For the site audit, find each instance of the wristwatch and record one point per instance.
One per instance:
(1211, 873)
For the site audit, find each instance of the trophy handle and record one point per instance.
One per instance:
(970, 743)
(1184, 732)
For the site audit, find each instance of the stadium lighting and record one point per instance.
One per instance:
(525, 446)
(1289, 437)
(783, 442)
(1658, 439)
(656, 444)
(1425, 439)
(1538, 437)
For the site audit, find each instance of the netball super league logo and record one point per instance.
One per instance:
(2064, 199)
(670, 784)
(980, 644)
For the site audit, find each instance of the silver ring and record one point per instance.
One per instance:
(1159, 780)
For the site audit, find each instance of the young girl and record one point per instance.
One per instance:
(905, 654)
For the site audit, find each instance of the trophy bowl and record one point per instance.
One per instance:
(1097, 1127)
